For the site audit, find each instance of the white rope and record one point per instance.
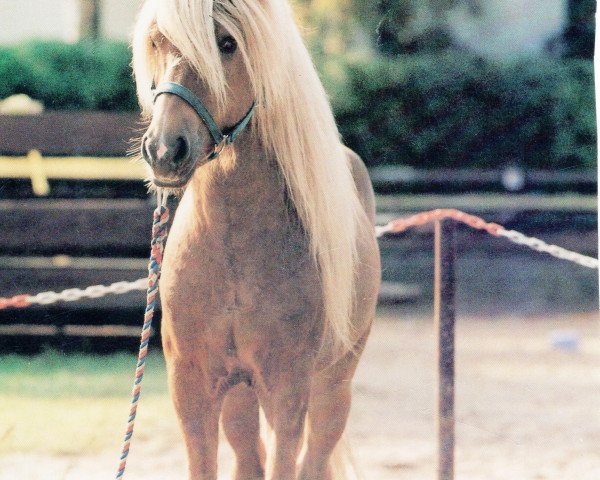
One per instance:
(554, 250)
(381, 230)
(94, 291)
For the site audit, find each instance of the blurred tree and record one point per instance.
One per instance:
(332, 31)
(457, 110)
(579, 36)
(89, 23)
(396, 26)
(331, 26)
(408, 26)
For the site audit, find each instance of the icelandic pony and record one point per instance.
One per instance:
(271, 272)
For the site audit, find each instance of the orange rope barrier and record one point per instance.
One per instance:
(401, 224)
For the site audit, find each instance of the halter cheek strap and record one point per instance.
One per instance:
(220, 139)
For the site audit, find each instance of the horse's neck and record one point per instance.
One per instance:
(238, 191)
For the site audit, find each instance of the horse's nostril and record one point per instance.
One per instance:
(145, 152)
(180, 150)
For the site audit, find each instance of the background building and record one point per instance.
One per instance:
(62, 19)
(500, 28)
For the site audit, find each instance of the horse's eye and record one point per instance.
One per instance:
(227, 45)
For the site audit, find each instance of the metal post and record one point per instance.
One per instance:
(444, 325)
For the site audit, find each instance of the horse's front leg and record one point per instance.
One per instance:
(198, 411)
(241, 424)
(285, 405)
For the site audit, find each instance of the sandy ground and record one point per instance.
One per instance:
(525, 409)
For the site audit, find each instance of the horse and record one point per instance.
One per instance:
(271, 272)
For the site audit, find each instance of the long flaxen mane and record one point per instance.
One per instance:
(293, 118)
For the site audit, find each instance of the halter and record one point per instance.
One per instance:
(220, 139)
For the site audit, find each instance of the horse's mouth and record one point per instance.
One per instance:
(169, 183)
(180, 181)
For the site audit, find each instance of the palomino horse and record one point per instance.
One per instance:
(271, 272)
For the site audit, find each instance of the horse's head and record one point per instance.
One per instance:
(201, 93)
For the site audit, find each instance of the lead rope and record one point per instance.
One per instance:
(159, 236)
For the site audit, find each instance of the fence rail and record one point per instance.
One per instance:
(71, 133)
(396, 178)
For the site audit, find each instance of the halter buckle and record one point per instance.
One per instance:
(218, 148)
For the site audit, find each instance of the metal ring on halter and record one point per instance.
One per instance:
(218, 148)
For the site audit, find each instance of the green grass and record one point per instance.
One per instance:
(76, 404)
(55, 375)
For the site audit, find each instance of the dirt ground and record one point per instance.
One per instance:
(526, 410)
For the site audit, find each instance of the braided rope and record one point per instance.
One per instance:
(401, 224)
(159, 235)
(18, 301)
(554, 250)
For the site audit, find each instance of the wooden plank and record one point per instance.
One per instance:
(395, 177)
(393, 292)
(75, 227)
(101, 331)
(26, 330)
(61, 262)
(73, 133)
(391, 204)
(73, 168)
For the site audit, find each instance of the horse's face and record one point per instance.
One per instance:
(177, 140)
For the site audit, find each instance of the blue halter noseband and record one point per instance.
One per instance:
(220, 139)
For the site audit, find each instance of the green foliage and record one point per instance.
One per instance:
(85, 75)
(446, 109)
(580, 33)
(14, 72)
(406, 26)
(453, 110)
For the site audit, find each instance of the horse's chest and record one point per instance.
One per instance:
(241, 266)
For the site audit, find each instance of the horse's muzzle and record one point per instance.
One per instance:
(172, 158)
